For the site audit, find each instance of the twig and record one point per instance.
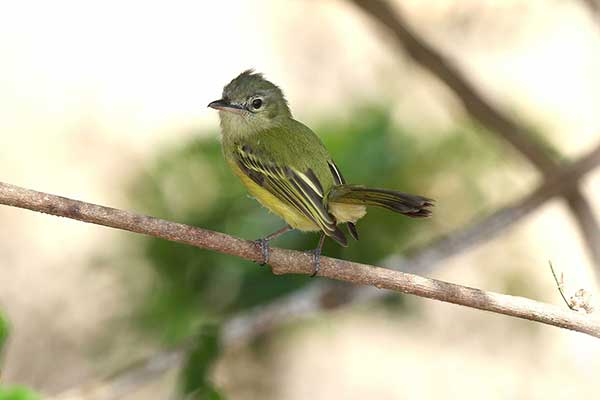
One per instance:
(559, 285)
(481, 109)
(580, 301)
(295, 262)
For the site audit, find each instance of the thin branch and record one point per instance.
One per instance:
(559, 285)
(295, 262)
(481, 109)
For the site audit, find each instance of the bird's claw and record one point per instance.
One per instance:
(263, 245)
(316, 253)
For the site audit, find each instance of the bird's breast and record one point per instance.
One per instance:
(291, 216)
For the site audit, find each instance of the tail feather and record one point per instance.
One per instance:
(407, 204)
(338, 236)
(353, 231)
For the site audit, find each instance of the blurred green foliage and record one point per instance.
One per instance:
(3, 334)
(195, 290)
(17, 393)
(11, 392)
(195, 373)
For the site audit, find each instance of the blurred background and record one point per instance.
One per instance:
(106, 102)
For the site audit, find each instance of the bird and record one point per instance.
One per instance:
(284, 165)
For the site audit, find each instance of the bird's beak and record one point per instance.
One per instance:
(224, 105)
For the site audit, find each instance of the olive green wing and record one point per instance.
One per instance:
(300, 190)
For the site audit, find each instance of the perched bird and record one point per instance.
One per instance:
(284, 165)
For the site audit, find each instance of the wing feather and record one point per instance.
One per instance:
(300, 190)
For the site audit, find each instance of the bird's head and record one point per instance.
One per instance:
(251, 102)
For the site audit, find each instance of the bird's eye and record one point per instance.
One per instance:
(257, 103)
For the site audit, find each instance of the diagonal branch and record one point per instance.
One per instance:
(484, 111)
(294, 262)
(475, 103)
(584, 216)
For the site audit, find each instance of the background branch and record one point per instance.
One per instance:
(482, 110)
(128, 379)
(294, 262)
(593, 6)
(584, 217)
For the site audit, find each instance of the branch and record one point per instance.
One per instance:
(484, 111)
(295, 262)
(474, 102)
(584, 216)
(308, 301)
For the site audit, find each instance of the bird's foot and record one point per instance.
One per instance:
(317, 256)
(316, 253)
(263, 245)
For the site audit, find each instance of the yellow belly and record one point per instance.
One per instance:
(341, 212)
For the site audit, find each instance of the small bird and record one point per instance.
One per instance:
(285, 166)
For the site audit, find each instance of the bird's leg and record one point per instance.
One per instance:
(317, 255)
(263, 243)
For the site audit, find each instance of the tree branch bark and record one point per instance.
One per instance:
(294, 262)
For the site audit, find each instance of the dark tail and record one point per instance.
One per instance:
(408, 204)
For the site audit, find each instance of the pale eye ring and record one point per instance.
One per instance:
(256, 104)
